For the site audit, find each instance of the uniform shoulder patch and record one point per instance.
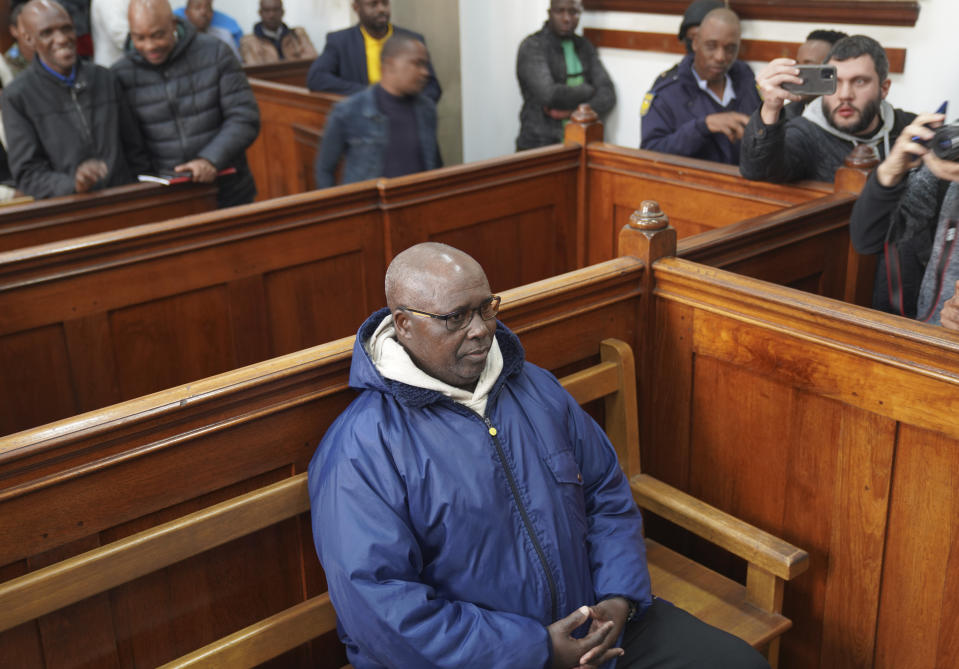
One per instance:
(647, 102)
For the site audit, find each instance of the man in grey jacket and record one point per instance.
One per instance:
(195, 107)
(557, 71)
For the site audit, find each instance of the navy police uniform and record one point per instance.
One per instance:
(674, 113)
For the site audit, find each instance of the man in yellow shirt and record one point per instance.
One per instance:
(351, 58)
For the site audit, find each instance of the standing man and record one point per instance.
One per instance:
(272, 40)
(386, 130)
(69, 127)
(351, 58)
(558, 70)
(195, 107)
(701, 110)
(688, 28)
(468, 512)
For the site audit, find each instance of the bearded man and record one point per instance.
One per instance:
(814, 145)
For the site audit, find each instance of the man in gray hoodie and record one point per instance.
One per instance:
(814, 145)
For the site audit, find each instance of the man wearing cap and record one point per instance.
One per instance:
(702, 109)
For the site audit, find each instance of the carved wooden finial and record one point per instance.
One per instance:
(649, 216)
(584, 115)
(862, 157)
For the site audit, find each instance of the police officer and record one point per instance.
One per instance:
(701, 110)
(694, 15)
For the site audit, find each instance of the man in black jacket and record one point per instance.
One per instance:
(557, 71)
(195, 107)
(69, 127)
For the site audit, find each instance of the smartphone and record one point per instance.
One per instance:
(816, 80)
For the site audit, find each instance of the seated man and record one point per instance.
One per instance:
(69, 126)
(909, 208)
(272, 40)
(213, 117)
(701, 111)
(815, 144)
(200, 14)
(466, 510)
(688, 28)
(814, 51)
(557, 71)
(386, 130)
(351, 58)
(221, 21)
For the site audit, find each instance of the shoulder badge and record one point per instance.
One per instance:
(647, 101)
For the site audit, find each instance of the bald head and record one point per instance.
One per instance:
(421, 273)
(152, 29)
(47, 30)
(716, 45)
(722, 15)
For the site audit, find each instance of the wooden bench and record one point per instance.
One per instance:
(752, 612)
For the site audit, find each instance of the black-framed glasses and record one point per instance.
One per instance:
(459, 319)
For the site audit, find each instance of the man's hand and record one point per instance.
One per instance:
(906, 153)
(558, 114)
(949, 316)
(770, 82)
(88, 173)
(203, 170)
(613, 610)
(944, 169)
(732, 124)
(569, 652)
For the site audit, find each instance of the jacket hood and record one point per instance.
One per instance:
(185, 33)
(365, 376)
(887, 116)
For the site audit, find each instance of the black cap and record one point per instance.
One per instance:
(695, 14)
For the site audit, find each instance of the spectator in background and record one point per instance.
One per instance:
(200, 14)
(207, 116)
(388, 129)
(351, 58)
(688, 29)
(702, 109)
(18, 56)
(814, 51)
(69, 126)
(272, 40)
(219, 20)
(109, 27)
(558, 70)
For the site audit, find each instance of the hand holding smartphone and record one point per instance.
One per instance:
(816, 80)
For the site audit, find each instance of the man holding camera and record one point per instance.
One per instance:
(910, 208)
(815, 144)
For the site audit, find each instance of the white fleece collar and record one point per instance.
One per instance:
(887, 115)
(393, 362)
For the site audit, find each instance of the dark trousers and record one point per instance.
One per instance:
(666, 637)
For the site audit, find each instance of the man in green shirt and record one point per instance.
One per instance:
(558, 70)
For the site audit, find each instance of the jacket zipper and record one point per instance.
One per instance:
(83, 119)
(511, 479)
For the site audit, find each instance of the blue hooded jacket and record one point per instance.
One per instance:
(451, 539)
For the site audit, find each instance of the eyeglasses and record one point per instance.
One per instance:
(459, 319)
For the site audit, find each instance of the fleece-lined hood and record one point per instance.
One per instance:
(887, 116)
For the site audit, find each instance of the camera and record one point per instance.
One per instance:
(945, 143)
(816, 80)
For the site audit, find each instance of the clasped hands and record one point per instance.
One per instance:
(596, 648)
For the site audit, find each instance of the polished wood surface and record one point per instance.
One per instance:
(58, 218)
(289, 72)
(277, 164)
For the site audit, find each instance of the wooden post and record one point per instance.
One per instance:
(648, 235)
(860, 269)
(584, 127)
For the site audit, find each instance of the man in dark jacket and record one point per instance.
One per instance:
(557, 71)
(69, 126)
(351, 58)
(195, 107)
(702, 109)
(467, 511)
(386, 130)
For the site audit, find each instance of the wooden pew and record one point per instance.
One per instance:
(58, 218)
(289, 72)
(97, 320)
(279, 168)
(245, 398)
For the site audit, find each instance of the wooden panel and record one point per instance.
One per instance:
(289, 72)
(918, 616)
(57, 218)
(757, 50)
(274, 157)
(37, 353)
(869, 12)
